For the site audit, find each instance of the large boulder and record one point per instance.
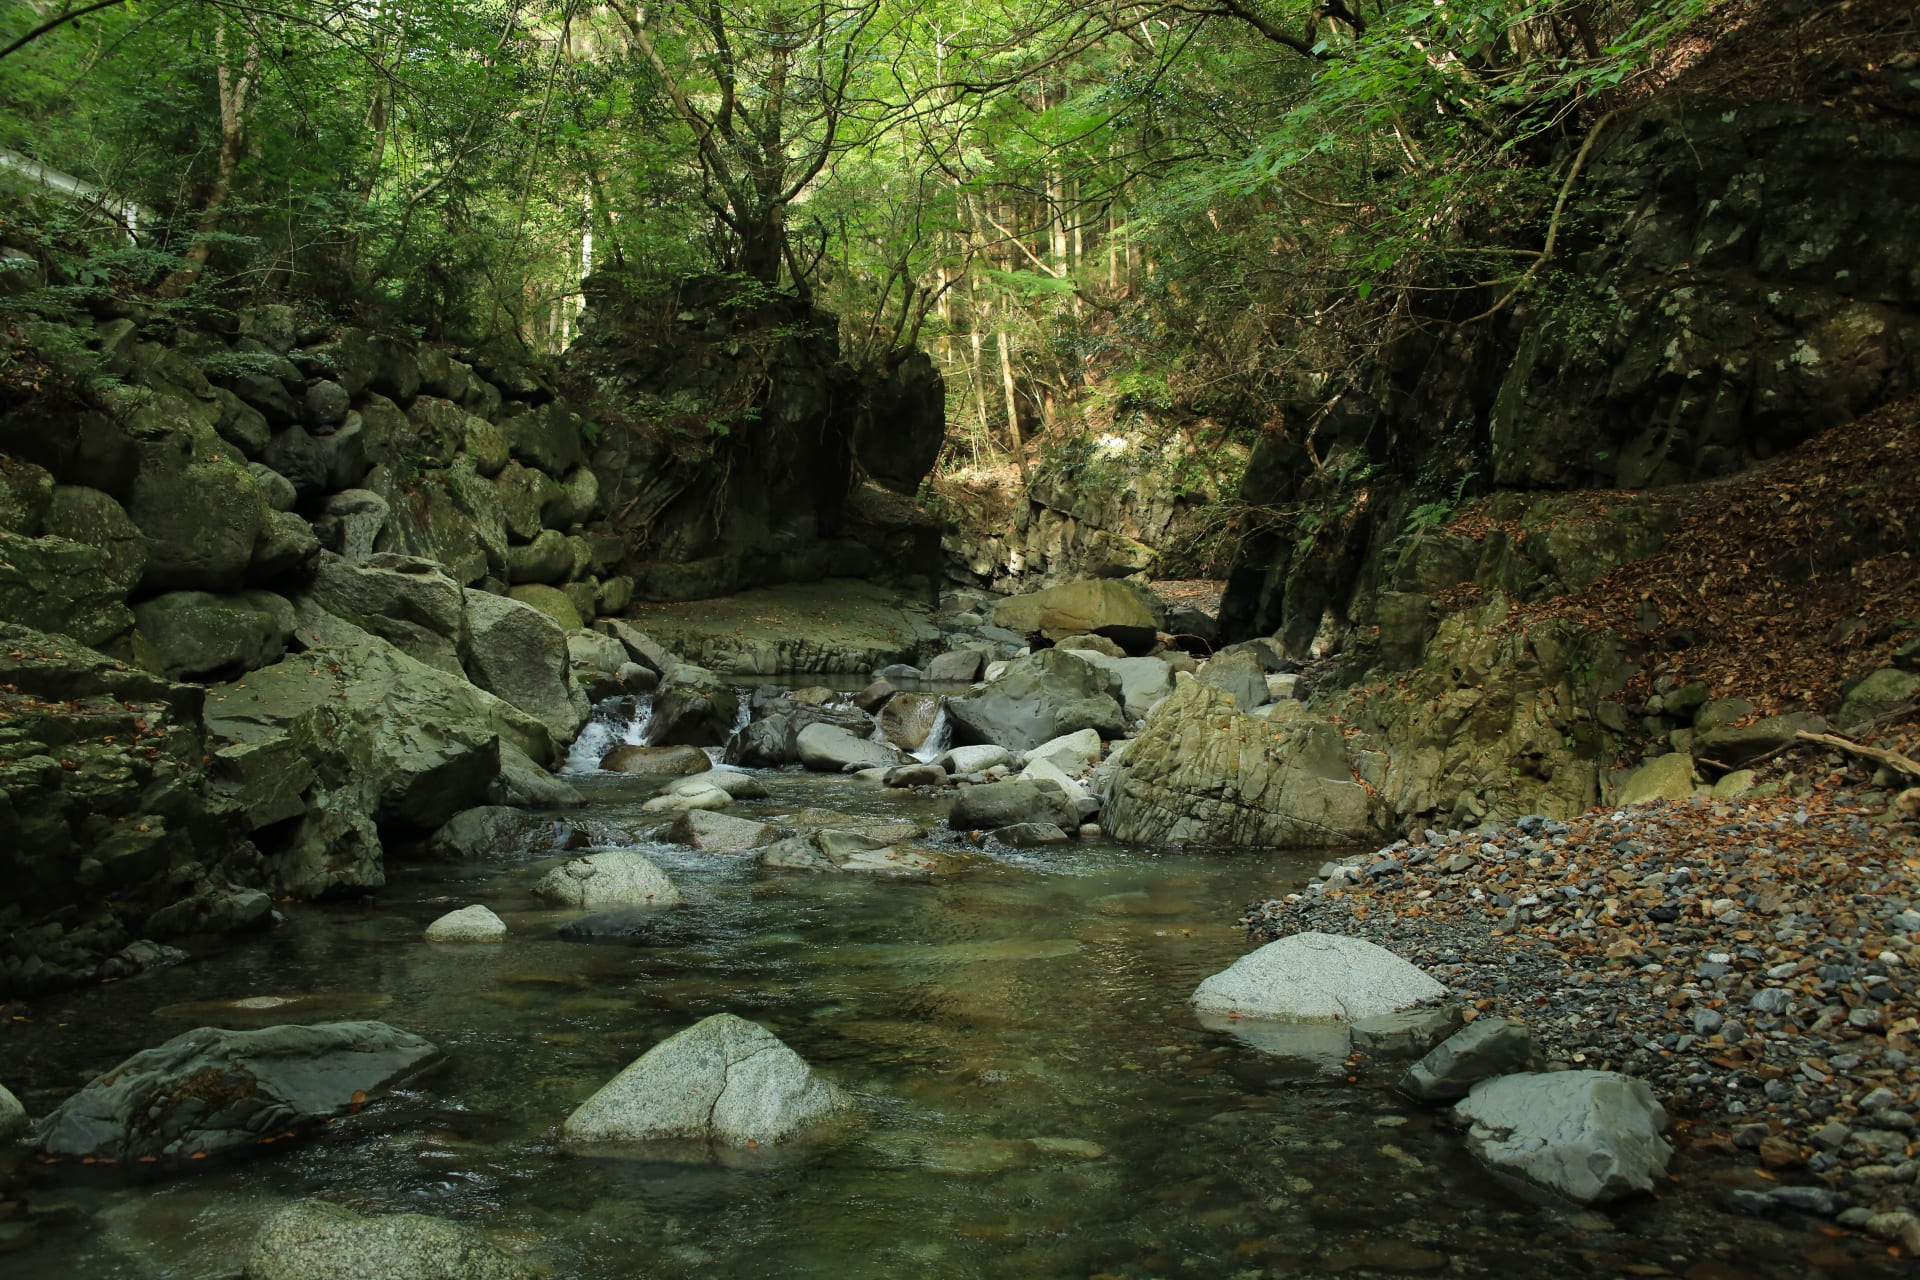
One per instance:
(386, 740)
(103, 796)
(907, 719)
(1077, 608)
(1668, 777)
(519, 654)
(1006, 804)
(1317, 976)
(315, 1240)
(1887, 689)
(1037, 698)
(827, 748)
(525, 785)
(94, 519)
(1203, 772)
(58, 585)
(723, 1080)
(195, 635)
(656, 762)
(699, 713)
(213, 1089)
(469, 924)
(408, 602)
(1143, 681)
(618, 878)
(1591, 1136)
(1735, 745)
(196, 504)
(712, 832)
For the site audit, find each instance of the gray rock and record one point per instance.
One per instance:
(525, 785)
(1037, 698)
(354, 520)
(850, 851)
(1143, 681)
(485, 831)
(1735, 746)
(195, 635)
(1240, 675)
(315, 1240)
(1070, 753)
(1030, 835)
(827, 748)
(718, 832)
(723, 1080)
(161, 1102)
(1490, 1047)
(619, 878)
(519, 654)
(13, 1116)
(1006, 804)
(1591, 1136)
(286, 548)
(962, 665)
(408, 602)
(1317, 975)
(697, 714)
(1202, 771)
(916, 775)
(469, 924)
(1886, 690)
(1668, 777)
(1405, 1035)
(962, 760)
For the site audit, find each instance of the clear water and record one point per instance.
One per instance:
(1036, 996)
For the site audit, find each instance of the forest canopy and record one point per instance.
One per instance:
(1041, 190)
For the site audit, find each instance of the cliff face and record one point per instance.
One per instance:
(1738, 279)
(739, 450)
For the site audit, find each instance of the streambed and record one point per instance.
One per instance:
(1042, 1101)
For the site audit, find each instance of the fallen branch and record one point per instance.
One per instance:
(1553, 224)
(1879, 755)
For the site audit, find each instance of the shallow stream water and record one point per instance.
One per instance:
(1041, 1101)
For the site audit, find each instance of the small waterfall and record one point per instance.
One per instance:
(938, 737)
(616, 720)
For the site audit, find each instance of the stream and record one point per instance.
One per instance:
(1042, 1102)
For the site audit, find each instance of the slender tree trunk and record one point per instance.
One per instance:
(234, 84)
(1013, 410)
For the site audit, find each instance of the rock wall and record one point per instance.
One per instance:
(275, 597)
(738, 450)
(1739, 279)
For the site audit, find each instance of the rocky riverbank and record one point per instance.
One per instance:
(1751, 959)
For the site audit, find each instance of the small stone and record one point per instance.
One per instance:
(1831, 1137)
(1772, 1000)
(1778, 1153)
(1707, 1021)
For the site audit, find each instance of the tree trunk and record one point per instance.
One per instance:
(234, 85)
(1013, 410)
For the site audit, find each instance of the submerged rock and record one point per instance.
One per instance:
(618, 878)
(722, 1080)
(1591, 1136)
(1317, 975)
(849, 851)
(719, 833)
(469, 924)
(212, 1089)
(315, 1240)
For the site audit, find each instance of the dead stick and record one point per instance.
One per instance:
(1891, 759)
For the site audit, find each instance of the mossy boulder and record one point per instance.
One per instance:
(552, 601)
(196, 635)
